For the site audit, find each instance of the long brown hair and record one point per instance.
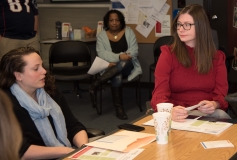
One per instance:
(10, 132)
(13, 62)
(204, 49)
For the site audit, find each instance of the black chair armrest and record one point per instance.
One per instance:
(93, 132)
(232, 100)
(231, 97)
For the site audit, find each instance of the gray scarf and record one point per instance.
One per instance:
(39, 113)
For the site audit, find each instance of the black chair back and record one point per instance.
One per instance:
(69, 51)
(74, 52)
(165, 40)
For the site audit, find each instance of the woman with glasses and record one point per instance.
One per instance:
(191, 71)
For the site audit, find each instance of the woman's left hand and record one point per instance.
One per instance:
(208, 107)
(125, 57)
(111, 64)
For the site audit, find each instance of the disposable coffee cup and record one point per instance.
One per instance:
(162, 126)
(165, 107)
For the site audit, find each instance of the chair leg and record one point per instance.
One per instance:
(150, 86)
(138, 94)
(77, 88)
(95, 101)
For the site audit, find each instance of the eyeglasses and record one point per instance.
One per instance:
(186, 26)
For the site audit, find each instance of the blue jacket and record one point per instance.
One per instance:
(104, 50)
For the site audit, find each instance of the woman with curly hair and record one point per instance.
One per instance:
(117, 45)
(48, 125)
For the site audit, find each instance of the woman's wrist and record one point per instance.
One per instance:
(216, 104)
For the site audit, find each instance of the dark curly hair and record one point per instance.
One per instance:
(121, 19)
(13, 62)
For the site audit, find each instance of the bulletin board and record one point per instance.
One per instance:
(151, 37)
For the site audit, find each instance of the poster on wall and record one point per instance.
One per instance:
(235, 17)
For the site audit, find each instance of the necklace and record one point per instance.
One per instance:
(115, 35)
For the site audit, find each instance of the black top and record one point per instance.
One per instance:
(17, 18)
(31, 136)
(120, 46)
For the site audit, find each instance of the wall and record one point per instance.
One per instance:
(232, 31)
(79, 15)
(175, 3)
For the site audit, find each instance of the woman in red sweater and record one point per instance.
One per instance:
(191, 71)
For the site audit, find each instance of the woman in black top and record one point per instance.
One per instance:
(117, 45)
(48, 125)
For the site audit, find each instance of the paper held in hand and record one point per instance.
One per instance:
(98, 66)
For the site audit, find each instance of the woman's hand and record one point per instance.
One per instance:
(111, 64)
(125, 57)
(179, 114)
(208, 107)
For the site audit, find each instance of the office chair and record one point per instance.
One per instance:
(231, 73)
(124, 81)
(74, 52)
(156, 53)
(232, 109)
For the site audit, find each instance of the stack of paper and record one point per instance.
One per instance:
(124, 141)
(92, 153)
(197, 126)
(201, 126)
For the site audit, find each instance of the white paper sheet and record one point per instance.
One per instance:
(98, 66)
(217, 144)
(197, 126)
(158, 4)
(146, 27)
(141, 18)
(125, 2)
(145, 10)
(145, 3)
(164, 27)
(98, 153)
(159, 15)
(124, 141)
(132, 14)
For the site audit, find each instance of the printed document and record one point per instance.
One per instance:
(124, 141)
(98, 66)
(92, 153)
(197, 126)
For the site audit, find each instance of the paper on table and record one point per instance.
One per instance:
(197, 126)
(98, 66)
(149, 123)
(124, 141)
(99, 153)
(217, 144)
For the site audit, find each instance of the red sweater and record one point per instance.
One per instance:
(185, 86)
